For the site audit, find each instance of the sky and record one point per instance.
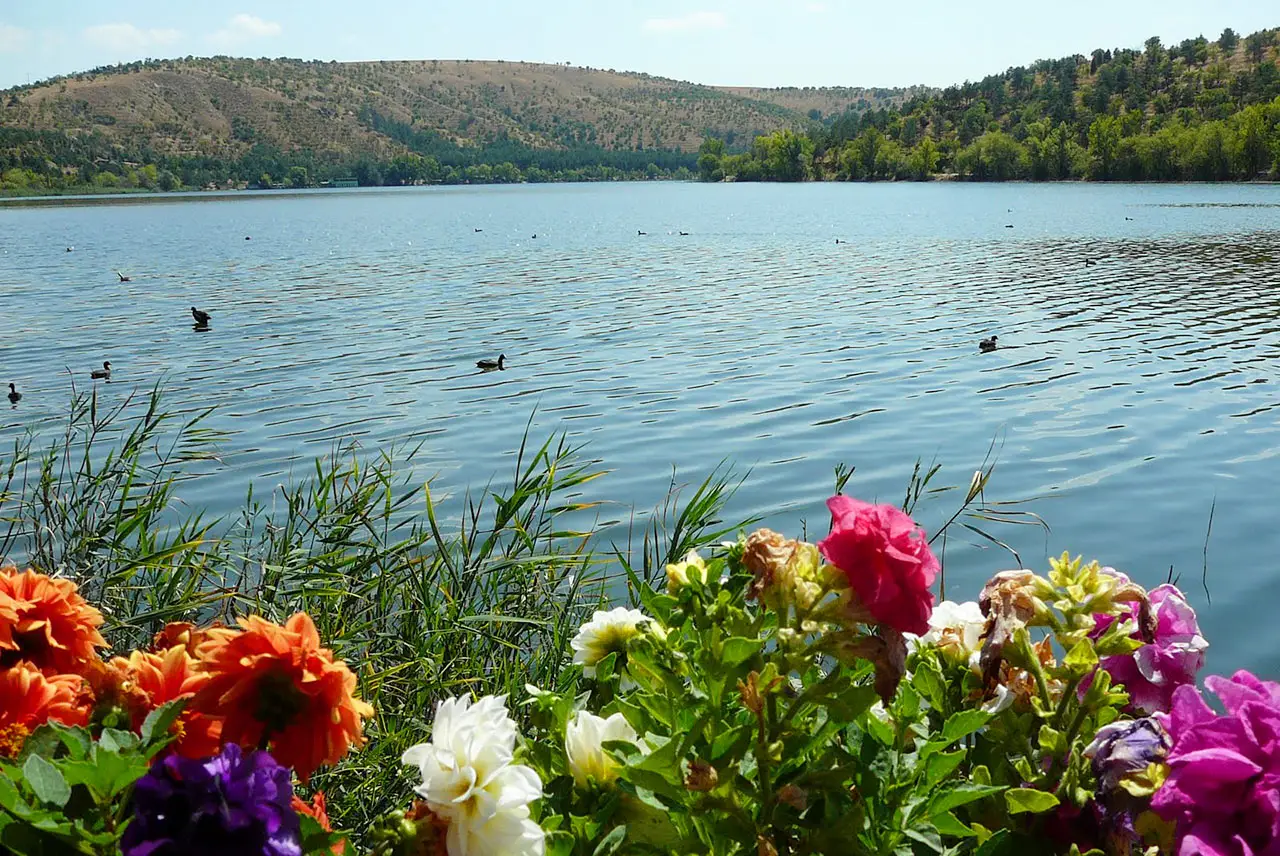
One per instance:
(717, 42)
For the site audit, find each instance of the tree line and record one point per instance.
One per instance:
(1197, 111)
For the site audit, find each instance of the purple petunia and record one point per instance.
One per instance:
(1154, 671)
(233, 802)
(1223, 787)
(1125, 748)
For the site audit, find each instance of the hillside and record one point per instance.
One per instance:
(268, 115)
(1195, 111)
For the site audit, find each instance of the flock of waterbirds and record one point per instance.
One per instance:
(202, 319)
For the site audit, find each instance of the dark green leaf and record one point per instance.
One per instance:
(46, 781)
(941, 765)
(160, 720)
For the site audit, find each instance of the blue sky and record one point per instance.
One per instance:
(743, 42)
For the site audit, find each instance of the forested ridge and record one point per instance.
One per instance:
(223, 121)
(1196, 111)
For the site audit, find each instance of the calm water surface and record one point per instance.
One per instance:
(1130, 395)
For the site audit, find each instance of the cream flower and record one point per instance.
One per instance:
(584, 739)
(604, 634)
(956, 630)
(469, 780)
(689, 569)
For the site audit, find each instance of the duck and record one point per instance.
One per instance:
(1009, 226)
(71, 249)
(641, 234)
(684, 234)
(479, 230)
(987, 345)
(838, 242)
(489, 365)
(1130, 219)
(534, 238)
(102, 373)
(123, 278)
(202, 317)
(14, 395)
(1090, 262)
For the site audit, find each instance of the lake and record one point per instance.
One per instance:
(1128, 397)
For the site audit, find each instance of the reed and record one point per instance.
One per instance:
(421, 607)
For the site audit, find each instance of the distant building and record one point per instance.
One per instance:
(345, 182)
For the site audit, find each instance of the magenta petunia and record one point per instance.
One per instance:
(1223, 787)
(887, 560)
(1154, 671)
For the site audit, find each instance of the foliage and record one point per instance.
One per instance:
(1200, 111)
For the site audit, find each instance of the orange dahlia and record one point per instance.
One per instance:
(155, 679)
(316, 811)
(28, 699)
(45, 621)
(185, 634)
(276, 688)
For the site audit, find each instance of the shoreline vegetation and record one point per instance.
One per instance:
(484, 601)
(469, 692)
(1197, 111)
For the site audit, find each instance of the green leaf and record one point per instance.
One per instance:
(738, 650)
(948, 824)
(612, 842)
(46, 781)
(114, 740)
(964, 723)
(159, 721)
(1029, 801)
(560, 843)
(1081, 659)
(928, 680)
(942, 765)
(957, 795)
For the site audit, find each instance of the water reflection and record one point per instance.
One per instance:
(1127, 394)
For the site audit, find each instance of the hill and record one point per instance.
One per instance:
(1198, 110)
(192, 117)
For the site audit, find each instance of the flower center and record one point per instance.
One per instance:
(279, 701)
(11, 739)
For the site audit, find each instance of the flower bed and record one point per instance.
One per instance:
(777, 697)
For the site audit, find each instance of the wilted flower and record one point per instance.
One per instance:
(1010, 600)
(1170, 660)
(235, 802)
(702, 777)
(887, 560)
(156, 680)
(691, 569)
(1223, 787)
(470, 782)
(278, 683)
(1124, 752)
(886, 650)
(784, 571)
(45, 621)
(584, 739)
(606, 633)
(793, 796)
(955, 629)
(28, 700)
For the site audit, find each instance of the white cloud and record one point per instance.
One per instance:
(127, 37)
(245, 28)
(13, 39)
(690, 23)
(816, 8)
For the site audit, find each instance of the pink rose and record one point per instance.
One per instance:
(887, 559)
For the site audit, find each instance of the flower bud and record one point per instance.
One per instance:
(689, 571)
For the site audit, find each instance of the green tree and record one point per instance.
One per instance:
(923, 160)
(298, 177)
(1228, 40)
(710, 156)
(1104, 142)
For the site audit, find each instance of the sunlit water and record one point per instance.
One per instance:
(1128, 396)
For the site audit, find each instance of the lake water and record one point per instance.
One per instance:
(1128, 397)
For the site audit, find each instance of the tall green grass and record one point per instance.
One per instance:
(421, 607)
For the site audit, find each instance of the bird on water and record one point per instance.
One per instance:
(479, 230)
(987, 345)
(489, 365)
(123, 278)
(202, 317)
(641, 234)
(102, 373)
(684, 234)
(14, 395)
(1090, 262)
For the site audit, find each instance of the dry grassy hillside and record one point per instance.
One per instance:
(221, 106)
